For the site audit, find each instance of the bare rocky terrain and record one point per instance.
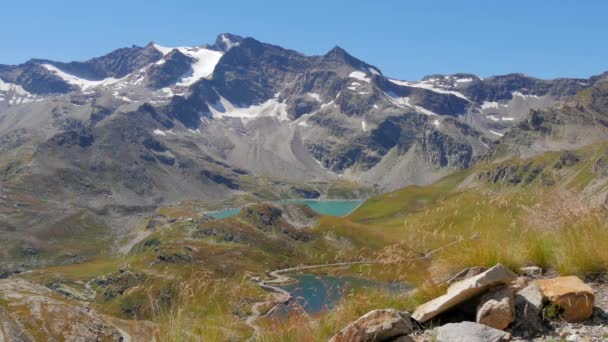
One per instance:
(109, 169)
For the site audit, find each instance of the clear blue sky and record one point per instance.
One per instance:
(405, 39)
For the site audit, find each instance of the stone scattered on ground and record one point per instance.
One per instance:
(117, 283)
(463, 291)
(71, 292)
(574, 298)
(377, 326)
(468, 332)
(502, 301)
(31, 312)
(496, 308)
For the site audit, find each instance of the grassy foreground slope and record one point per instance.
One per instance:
(192, 276)
(546, 210)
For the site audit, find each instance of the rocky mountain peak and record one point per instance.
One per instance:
(226, 41)
(341, 55)
(169, 70)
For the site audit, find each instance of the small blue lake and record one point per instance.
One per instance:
(318, 293)
(224, 213)
(324, 207)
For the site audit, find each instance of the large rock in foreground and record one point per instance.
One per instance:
(572, 295)
(469, 332)
(32, 310)
(377, 326)
(496, 308)
(463, 291)
(528, 309)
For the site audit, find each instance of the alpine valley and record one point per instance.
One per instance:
(111, 170)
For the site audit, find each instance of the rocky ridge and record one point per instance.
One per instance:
(494, 305)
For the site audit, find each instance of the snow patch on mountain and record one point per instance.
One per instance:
(490, 104)
(11, 87)
(271, 108)
(359, 75)
(83, 83)
(315, 96)
(464, 80)
(424, 111)
(405, 102)
(205, 61)
(163, 49)
(516, 93)
(14, 94)
(493, 118)
(429, 86)
(228, 42)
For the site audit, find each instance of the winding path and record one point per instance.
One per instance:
(281, 296)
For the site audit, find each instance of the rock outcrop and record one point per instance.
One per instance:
(463, 291)
(30, 311)
(573, 297)
(504, 306)
(469, 332)
(377, 325)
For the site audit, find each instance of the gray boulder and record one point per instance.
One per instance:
(463, 291)
(469, 332)
(528, 307)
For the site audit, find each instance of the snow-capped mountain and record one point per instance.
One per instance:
(178, 123)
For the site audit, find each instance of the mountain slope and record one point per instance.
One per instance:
(573, 123)
(141, 127)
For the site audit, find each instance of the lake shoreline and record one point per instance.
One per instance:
(217, 214)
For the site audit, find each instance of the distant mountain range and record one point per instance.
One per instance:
(144, 126)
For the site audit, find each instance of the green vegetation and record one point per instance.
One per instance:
(356, 304)
(195, 275)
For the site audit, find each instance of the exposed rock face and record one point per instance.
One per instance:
(469, 332)
(496, 308)
(444, 151)
(377, 325)
(573, 297)
(175, 66)
(463, 291)
(34, 311)
(118, 283)
(570, 125)
(262, 110)
(116, 64)
(528, 307)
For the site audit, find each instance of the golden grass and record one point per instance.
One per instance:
(530, 223)
(454, 225)
(297, 328)
(203, 309)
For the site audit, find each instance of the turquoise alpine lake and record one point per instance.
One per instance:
(324, 207)
(319, 293)
(224, 213)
